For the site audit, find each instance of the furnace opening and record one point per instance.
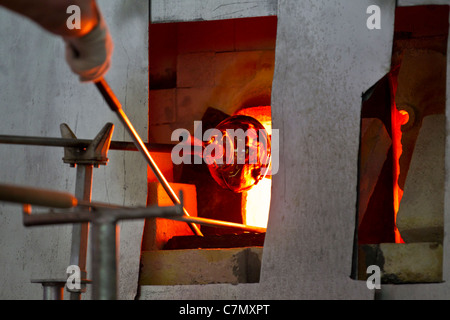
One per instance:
(402, 154)
(201, 75)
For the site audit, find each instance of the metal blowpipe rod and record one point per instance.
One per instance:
(65, 200)
(116, 106)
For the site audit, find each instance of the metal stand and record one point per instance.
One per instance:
(84, 159)
(104, 239)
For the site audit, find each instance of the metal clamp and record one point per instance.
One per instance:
(95, 154)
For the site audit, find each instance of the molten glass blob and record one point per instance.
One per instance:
(238, 153)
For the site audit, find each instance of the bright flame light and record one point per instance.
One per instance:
(258, 204)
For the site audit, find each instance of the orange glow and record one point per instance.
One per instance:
(403, 117)
(397, 121)
(398, 118)
(262, 114)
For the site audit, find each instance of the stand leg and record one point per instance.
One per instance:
(53, 291)
(104, 260)
(80, 232)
